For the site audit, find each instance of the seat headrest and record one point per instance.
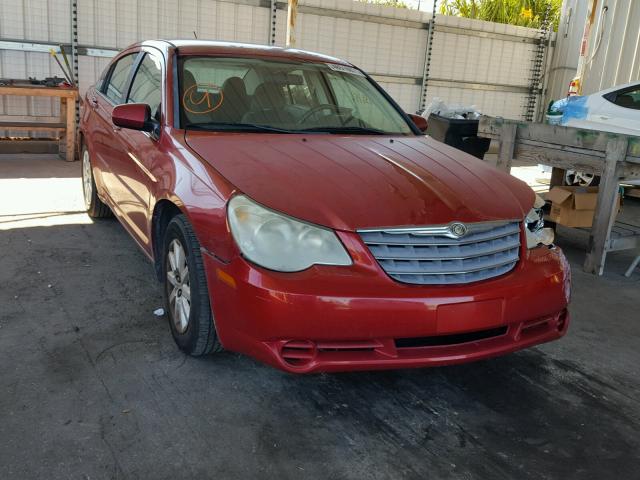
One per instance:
(268, 95)
(188, 80)
(625, 101)
(234, 86)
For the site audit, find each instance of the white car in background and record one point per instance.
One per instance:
(615, 110)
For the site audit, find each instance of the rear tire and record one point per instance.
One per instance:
(186, 296)
(95, 207)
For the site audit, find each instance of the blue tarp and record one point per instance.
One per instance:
(571, 107)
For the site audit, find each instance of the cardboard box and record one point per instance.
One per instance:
(573, 206)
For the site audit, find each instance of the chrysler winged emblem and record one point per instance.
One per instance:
(457, 229)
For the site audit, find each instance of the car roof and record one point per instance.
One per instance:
(211, 47)
(618, 87)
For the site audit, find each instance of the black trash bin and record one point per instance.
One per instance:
(460, 133)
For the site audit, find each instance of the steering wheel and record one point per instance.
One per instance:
(326, 106)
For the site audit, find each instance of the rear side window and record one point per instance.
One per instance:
(629, 98)
(147, 85)
(103, 75)
(114, 90)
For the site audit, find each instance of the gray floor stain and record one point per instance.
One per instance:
(92, 386)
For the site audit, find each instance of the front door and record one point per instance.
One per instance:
(140, 152)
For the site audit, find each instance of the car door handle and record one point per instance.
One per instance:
(604, 117)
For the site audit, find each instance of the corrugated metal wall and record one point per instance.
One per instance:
(482, 63)
(115, 24)
(473, 62)
(37, 20)
(383, 50)
(616, 58)
(565, 56)
(614, 46)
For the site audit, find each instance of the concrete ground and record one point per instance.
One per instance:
(92, 386)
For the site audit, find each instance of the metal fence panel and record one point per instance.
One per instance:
(564, 64)
(473, 62)
(613, 56)
(483, 64)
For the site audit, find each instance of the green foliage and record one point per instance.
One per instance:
(525, 13)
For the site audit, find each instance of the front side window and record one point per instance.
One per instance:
(114, 90)
(252, 94)
(147, 85)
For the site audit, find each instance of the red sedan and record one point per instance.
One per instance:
(296, 214)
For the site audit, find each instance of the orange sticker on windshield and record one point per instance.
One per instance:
(200, 98)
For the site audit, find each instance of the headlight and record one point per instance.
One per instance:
(534, 226)
(279, 242)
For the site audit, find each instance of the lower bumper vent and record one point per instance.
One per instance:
(444, 340)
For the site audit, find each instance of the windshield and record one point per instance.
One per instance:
(250, 94)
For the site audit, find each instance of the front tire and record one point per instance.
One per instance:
(185, 291)
(95, 207)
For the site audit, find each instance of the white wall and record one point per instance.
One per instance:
(613, 60)
(47, 20)
(501, 60)
(617, 60)
(565, 56)
(473, 62)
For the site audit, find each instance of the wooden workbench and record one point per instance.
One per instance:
(614, 157)
(67, 121)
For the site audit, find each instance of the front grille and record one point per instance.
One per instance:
(434, 256)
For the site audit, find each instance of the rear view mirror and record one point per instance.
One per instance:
(294, 79)
(419, 121)
(136, 116)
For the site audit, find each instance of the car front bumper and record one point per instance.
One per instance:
(356, 318)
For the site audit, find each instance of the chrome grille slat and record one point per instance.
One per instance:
(411, 254)
(444, 270)
(385, 238)
(489, 250)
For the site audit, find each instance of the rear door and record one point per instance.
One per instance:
(106, 147)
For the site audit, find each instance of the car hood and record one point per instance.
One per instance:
(356, 182)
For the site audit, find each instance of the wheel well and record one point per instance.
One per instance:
(163, 212)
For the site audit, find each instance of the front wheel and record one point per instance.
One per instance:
(186, 296)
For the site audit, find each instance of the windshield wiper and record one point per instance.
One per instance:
(356, 130)
(237, 127)
(252, 127)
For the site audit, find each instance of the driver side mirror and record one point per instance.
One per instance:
(419, 121)
(136, 116)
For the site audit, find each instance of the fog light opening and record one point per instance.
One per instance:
(562, 321)
(298, 353)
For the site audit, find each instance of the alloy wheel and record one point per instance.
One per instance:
(178, 285)
(582, 179)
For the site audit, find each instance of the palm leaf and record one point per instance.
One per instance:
(527, 13)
